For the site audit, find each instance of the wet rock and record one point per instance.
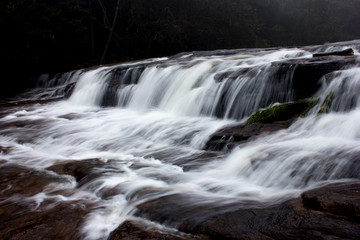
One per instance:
(219, 77)
(132, 231)
(22, 218)
(326, 104)
(300, 218)
(263, 121)
(307, 75)
(4, 150)
(282, 112)
(20, 222)
(69, 89)
(16, 179)
(230, 137)
(346, 52)
(80, 170)
(342, 199)
(118, 78)
(304, 73)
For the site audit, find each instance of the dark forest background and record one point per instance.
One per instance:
(52, 36)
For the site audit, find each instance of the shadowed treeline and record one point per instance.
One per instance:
(54, 36)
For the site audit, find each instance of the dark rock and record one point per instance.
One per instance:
(175, 209)
(282, 112)
(231, 137)
(62, 221)
(16, 179)
(81, 170)
(341, 199)
(307, 74)
(132, 231)
(219, 77)
(117, 79)
(68, 90)
(299, 218)
(346, 52)
(261, 122)
(326, 104)
(22, 220)
(4, 150)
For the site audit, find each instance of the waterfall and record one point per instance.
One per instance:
(145, 125)
(226, 87)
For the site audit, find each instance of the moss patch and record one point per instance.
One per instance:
(326, 104)
(282, 112)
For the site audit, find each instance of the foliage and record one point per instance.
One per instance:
(58, 35)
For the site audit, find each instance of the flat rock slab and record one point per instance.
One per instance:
(22, 219)
(298, 218)
(342, 199)
(132, 231)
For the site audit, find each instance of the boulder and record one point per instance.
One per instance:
(230, 137)
(261, 122)
(282, 112)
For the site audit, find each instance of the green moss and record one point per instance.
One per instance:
(282, 112)
(326, 104)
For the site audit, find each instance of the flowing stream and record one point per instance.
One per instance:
(148, 122)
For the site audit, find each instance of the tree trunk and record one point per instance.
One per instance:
(111, 32)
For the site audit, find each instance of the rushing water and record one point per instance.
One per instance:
(161, 116)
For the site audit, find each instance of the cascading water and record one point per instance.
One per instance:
(161, 114)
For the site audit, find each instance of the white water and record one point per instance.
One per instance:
(152, 146)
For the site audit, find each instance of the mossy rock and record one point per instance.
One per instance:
(282, 112)
(326, 104)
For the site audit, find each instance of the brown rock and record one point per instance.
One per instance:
(21, 219)
(341, 199)
(16, 179)
(132, 231)
(20, 222)
(293, 219)
(346, 52)
(233, 136)
(81, 170)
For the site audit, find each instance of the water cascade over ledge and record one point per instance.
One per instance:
(114, 140)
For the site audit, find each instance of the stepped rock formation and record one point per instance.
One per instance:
(229, 144)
